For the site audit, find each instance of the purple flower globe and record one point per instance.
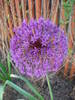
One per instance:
(38, 48)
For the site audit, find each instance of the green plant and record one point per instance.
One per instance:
(67, 10)
(1, 92)
(5, 76)
(23, 92)
(5, 71)
(49, 86)
(29, 85)
(20, 90)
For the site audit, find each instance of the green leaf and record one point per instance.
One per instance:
(1, 91)
(9, 64)
(70, 51)
(61, 21)
(2, 77)
(3, 70)
(29, 85)
(20, 90)
(68, 8)
(49, 86)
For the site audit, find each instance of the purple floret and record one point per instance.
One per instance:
(38, 48)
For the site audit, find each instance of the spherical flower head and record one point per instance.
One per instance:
(38, 48)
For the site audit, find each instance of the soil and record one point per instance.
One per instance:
(63, 89)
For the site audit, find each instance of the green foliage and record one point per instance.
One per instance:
(1, 91)
(49, 86)
(9, 64)
(20, 90)
(67, 10)
(29, 85)
(5, 71)
(70, 51)
(5, 76)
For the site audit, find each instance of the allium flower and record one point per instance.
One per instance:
(38, 48)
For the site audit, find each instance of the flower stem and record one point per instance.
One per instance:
(49, 86)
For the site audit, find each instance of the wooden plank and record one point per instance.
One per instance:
(18, 11)
(33, 3)
(26, 11)
(66, 66)
(73, 22)
(71, 43)
(44, 8)
(8, 19)
(23, 8)
(55, 5)
(62, 17)
(13, 12)
(38, 8)
(3, 29)
(48, 8)
(72, 72)
(30, 8)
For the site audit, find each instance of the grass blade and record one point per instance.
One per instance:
(1, 92)
(2, 77)
(3, 70)
(49, 86)
(29, 85)
(9, 64)
(20, 90)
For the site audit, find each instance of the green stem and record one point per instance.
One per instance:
(49, 86)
